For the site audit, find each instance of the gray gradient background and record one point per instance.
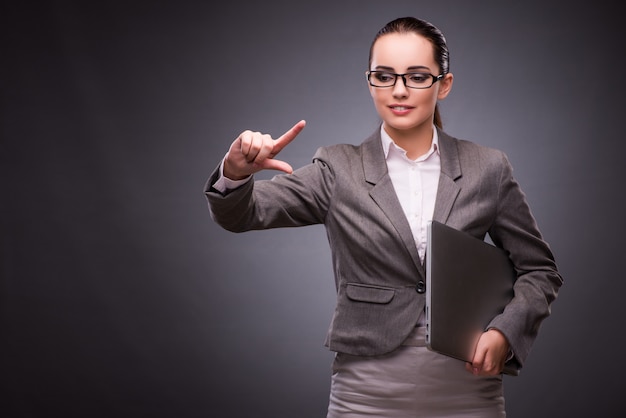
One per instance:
(120, 298)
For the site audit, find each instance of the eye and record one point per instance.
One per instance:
(418, 78)
(383, 77)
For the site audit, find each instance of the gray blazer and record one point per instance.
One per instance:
(379, 277)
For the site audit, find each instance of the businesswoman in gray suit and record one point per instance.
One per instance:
(375, 200)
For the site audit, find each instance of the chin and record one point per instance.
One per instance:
(403, 125)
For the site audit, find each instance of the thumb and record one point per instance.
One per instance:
(478, 360)
(273, 164)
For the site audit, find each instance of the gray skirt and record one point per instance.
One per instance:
(411, 381)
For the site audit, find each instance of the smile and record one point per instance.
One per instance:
(400, 110)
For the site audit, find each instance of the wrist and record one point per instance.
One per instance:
(231, 174)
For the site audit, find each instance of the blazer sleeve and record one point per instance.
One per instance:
(515, 230)
(286, 200)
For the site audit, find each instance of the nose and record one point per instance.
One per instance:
(399, 88)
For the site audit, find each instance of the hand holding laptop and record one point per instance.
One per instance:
(492, 351)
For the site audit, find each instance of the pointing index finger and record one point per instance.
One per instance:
(288, 136)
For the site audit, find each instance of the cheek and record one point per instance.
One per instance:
(428, 98)
(372, 92)
(377, 95)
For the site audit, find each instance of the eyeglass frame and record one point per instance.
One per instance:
(435, 78)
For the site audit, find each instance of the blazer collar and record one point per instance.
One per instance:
(448, 188)
(450, 165)
(374, 164)
(374, 158)
(383, 193)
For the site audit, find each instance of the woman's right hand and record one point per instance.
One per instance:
(253, 151)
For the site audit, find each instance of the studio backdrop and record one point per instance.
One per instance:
(119, 297)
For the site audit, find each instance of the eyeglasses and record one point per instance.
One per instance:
(411, 80)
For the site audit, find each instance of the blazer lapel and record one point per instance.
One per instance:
(448, 189)
(383, 193)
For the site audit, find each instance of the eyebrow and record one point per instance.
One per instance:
(411, 68)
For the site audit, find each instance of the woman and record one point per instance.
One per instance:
(375, 200)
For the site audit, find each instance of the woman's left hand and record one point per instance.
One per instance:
(491, 354)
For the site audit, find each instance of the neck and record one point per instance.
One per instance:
(416, 142)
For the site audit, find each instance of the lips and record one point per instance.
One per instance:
(400, 109)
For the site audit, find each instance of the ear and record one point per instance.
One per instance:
(445, 85)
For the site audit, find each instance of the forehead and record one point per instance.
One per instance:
(403, 50)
